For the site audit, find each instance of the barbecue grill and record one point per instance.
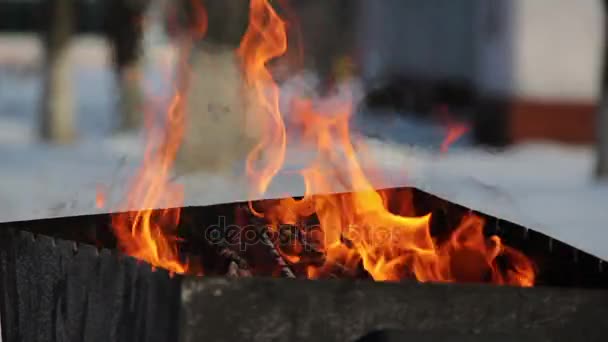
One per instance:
(63, 279)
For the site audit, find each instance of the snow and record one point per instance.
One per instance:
(543, 186)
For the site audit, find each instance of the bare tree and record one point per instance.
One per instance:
(602, 113)
(57, 114)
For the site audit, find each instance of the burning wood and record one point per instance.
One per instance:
(286, 271)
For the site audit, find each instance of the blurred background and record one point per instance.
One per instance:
(522, 80)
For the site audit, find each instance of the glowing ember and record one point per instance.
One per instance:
(357, 229)
(145, 234)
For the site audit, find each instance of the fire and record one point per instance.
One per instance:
(264, 40)
(146, 234)
(100, 197)
(356, 229)
(454, 132)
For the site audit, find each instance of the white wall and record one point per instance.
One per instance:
(548, 49)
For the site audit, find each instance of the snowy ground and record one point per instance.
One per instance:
(546, 187)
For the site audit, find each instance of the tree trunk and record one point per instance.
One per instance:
(57, 114)
(328, 32)
(602, 138)
(124, 27)
(602, 113)
(131, 97)
(217, 135)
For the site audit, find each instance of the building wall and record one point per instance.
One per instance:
(494, 40)
(539, 64)
(558, 48)
(546, 50)
(431, 38)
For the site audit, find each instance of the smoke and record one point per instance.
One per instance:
(308, 85)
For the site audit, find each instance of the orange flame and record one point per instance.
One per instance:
(454, 132)
(100, 197)
(264, 40)
(147, 234)
(356, 229)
